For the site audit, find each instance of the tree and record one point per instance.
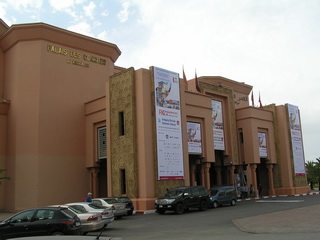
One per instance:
(2, 178)
(313, 171)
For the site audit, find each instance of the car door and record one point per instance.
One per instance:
(42, 222)
(196, 197)
(18, 225)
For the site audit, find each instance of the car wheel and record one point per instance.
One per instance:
(203, 206)
(215, 204)
(129, 213)
(161, 211)
(84, 233)
(233, 202)
(57, 233)
(179, 209)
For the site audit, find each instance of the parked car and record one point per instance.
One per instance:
(90, 221)
(41, 221)
(129, 204)
(119, 208)
(222, 195)
(106, 213)
(182, 198)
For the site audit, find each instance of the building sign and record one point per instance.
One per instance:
(296, 140)
(262, 145)
(102, 143)
(168, 124)
(217, 122)
(194, 138)
(76, 58)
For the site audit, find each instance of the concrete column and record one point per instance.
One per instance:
(206, 172)
(271, 183)
(253, 168)
(94, 186)
(231, 174)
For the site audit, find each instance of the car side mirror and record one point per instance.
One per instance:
(186, 194)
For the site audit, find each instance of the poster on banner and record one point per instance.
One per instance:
(262, 145)
(217, 122)
(168, 124)
(296, 140)
(194, 138)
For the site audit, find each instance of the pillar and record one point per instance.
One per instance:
(253, 168)
(270, 176)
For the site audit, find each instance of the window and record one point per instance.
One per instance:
(123, 181)
(121, 123)
(102, 143)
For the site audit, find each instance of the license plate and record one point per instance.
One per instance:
(160, 206)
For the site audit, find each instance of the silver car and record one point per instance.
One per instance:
(90, 221)
(106, 213)
(119, 208)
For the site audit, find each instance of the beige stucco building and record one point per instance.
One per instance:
(71, 121)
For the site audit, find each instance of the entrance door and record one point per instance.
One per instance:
(102, 178)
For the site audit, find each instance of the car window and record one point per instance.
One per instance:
(23, 217)
(97, 202)
(187, 192)
(44, 214)
(213, 192)
(173, 193)
(222, 193)
(195, 191)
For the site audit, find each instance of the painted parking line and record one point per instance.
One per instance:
(279, 201)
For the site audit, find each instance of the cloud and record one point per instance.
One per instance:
(82, 28)
(89, 10)
(123, 15)
(25, 4)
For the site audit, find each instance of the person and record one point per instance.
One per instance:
(251, 190)
(260, 190)
(89, 197)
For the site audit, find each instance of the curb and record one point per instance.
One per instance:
(274, 196)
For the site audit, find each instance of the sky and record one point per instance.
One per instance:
(272, 45)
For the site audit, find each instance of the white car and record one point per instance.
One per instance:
(90, 221)
(106, 213)
(119, 208)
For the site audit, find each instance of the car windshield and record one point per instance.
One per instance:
(175, 192)
(78, 209)
(68, 213)
(213, 192)
(95, 206)
(111, 200)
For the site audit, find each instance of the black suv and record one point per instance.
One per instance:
(182, 198)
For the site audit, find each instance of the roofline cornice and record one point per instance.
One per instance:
(41, 31)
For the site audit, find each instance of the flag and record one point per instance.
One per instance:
(185, 79)
(252, 99)
(197, 82)
(260, 101)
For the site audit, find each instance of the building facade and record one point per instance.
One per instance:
(71, 121)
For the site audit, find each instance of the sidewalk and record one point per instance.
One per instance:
(299, 220)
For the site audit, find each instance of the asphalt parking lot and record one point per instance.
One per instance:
(294, 217)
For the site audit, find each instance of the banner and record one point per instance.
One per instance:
(194, 138)
(262, 145)
(168, 124)
(217, 122)
(296, 140)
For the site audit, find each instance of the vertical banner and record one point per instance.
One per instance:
(262, 145)
(217, 122)
(168, 124)
(296, 140)
(194, 138)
